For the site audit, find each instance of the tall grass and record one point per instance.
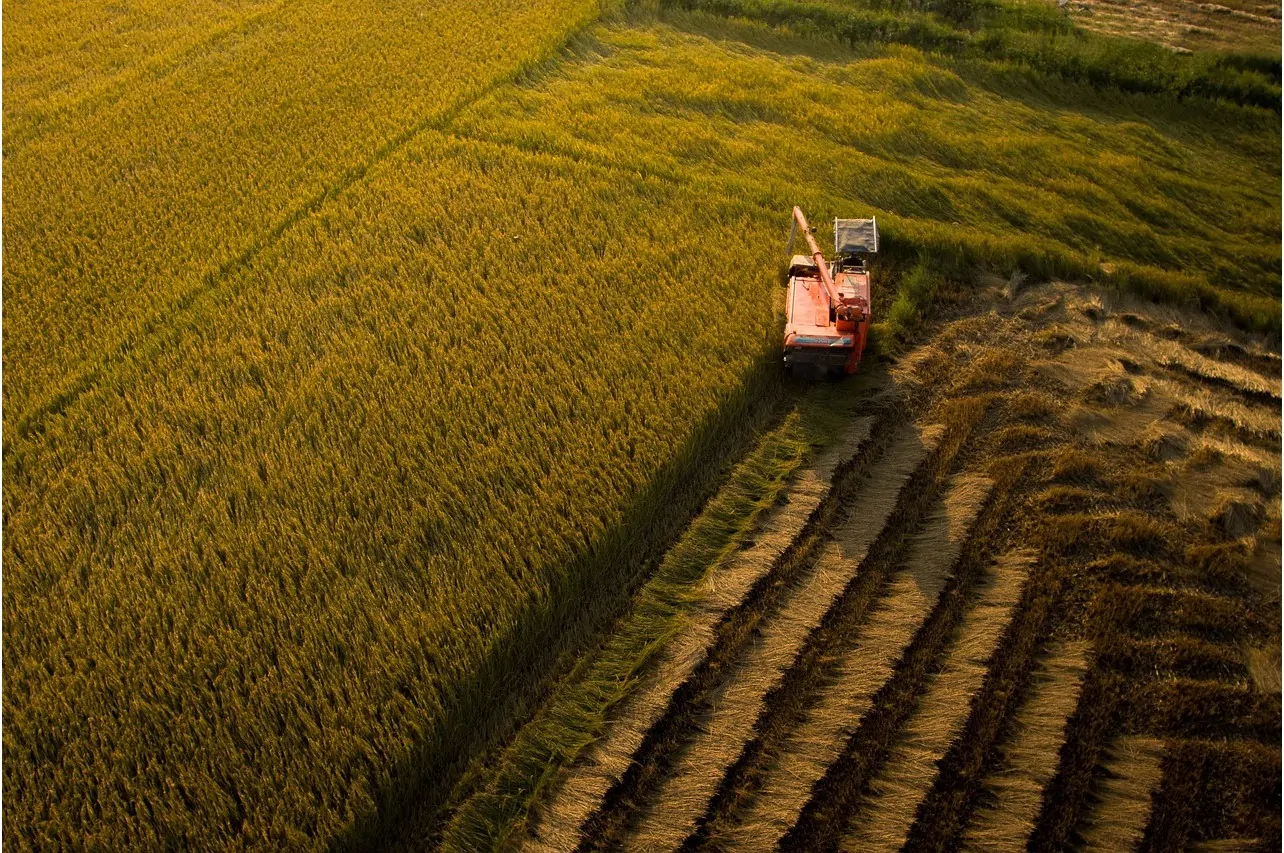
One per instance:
(1024, 34)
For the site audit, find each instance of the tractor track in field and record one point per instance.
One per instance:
(153, 333)
(1014, 617)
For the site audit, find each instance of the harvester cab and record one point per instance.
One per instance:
(827, 306)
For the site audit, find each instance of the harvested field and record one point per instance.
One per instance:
(883, 821)
(739, 701)
(1013, 791)
(861, 671)
(1185, 25)
(1118, 820)
(1021, 634)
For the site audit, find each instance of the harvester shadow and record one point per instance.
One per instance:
(580, 605)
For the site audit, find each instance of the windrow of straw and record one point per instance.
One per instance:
(725, 587)
(903, 606)
(884, 819)
(695, 775)
(1013, 791)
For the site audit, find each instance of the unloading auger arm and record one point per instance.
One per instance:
(819, 257)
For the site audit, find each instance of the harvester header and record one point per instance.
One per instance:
(827, 307)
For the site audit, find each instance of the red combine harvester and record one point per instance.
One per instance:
(827, 313)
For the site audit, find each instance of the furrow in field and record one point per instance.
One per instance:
(1227, 845)
(740, 699)
(1194, 365)
(863, 669)
(884, 819)
(1014, 790)
(1123, 799)
(581, 793)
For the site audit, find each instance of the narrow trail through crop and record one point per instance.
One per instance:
(152, 336)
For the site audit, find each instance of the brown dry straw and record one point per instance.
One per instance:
(686, 792)
(581, 792)
(1118, 822)
(888, 813)
(1029, 758)
(863, 669)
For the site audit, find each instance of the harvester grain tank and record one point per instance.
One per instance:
(827, 308)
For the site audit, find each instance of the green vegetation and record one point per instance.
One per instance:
(916, 294)
(968, 162)
(1023, 35)
(353, 375)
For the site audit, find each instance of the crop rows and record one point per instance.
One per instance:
(1028, 760)
(606, 762)
(938, 671)
(692, 778)
(862, 671)
(344, 372)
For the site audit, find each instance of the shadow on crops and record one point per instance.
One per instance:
(567, 620)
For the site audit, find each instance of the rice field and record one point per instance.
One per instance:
(1032, 644)
(374, 478)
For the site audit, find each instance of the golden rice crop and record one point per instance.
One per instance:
(253, 571)
(118, 211)
(60, 52)
(340, 402)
